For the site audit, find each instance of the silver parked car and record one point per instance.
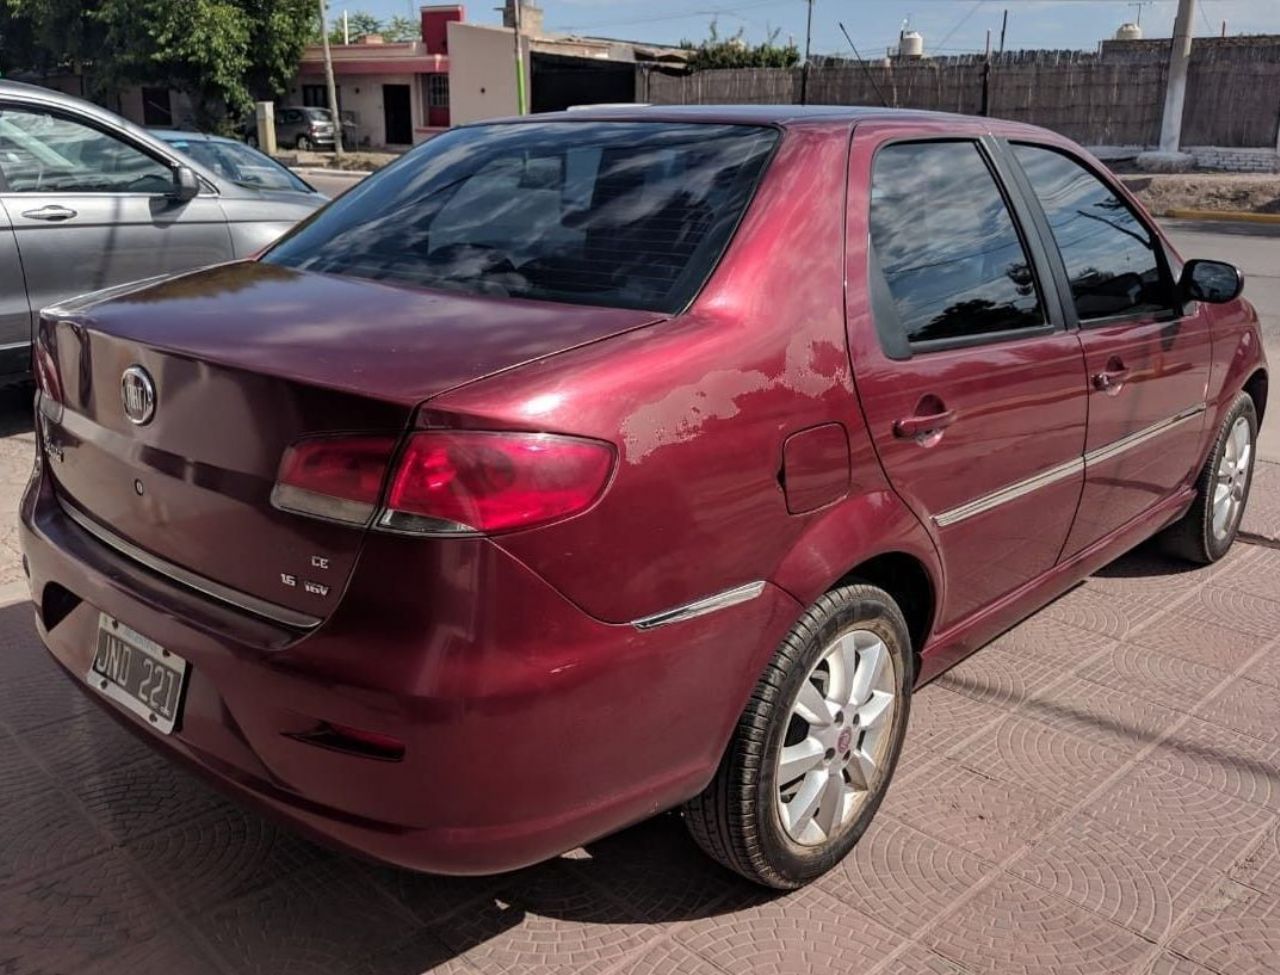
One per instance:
(304, 129)
(89, 200)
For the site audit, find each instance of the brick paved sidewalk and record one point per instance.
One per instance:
(1096, 791)
(1262, 517)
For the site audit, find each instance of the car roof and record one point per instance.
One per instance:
(784, 115)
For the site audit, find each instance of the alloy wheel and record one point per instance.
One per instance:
(1232, 478)
(838, 737)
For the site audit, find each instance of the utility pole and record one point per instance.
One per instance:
(328, 80)
(1175, 92)
(986, 78)
(1004, 23)
(520, 97)
(804, 72)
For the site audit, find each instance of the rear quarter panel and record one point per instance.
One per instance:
(699, 407)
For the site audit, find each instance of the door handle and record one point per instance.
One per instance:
(921, 425)
(52, 212)
(1112, 378)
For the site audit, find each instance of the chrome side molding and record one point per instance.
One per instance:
(1070, 468)
(701, 607)
(1141, 436)
(1010, 493)
(184, 577)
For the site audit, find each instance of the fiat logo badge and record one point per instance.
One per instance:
(138, 393)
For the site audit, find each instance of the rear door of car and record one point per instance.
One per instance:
(1147, 357)
(90, 207)
(971, 384)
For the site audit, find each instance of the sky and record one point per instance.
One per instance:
(948, 26)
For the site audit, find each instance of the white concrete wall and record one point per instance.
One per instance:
(482, 73)
(1235, 160)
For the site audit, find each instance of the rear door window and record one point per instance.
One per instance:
(946, 245)
(623, 214)
(1113, 263)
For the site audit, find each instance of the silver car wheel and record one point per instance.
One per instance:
(1232, 477)
(837, 742)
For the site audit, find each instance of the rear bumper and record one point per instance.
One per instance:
(529, 726)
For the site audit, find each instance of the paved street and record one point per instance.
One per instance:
(1097, 791)
(331, 183)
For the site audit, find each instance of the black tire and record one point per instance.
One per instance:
(302, 144)
(1193, 537)
(736, 819)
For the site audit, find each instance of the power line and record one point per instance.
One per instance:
(688, 14)
(961, 22)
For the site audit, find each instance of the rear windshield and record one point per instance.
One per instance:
(623, 214)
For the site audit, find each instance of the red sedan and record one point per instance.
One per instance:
(578, 467)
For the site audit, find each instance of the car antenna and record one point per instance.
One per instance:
(870, 76)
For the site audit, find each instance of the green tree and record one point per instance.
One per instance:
(359, 24)
(402, 29)
(221, 53)
(734, 52)
(278, 31)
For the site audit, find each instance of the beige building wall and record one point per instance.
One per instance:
(482, 73)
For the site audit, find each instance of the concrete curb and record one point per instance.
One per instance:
(1236, 216)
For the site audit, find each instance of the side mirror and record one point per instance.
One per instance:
(1212, 281)
(185, 184)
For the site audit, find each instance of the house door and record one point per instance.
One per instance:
(397, 115)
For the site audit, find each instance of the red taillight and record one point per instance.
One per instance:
(338, 478)
(446, 482)
(47, 380)
(458, 482)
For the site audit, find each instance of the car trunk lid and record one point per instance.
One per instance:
(245, 360)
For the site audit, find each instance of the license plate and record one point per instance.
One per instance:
(138, 673)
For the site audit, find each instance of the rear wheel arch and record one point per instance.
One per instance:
(908, 581)
(1256, 387)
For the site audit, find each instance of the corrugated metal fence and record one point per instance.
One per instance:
(1233, 93)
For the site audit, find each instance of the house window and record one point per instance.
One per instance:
(156, 109)
(437, 91)
(317, 96)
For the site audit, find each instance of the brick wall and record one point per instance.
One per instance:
(1236, 160)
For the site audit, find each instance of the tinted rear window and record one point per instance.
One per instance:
(628, 215)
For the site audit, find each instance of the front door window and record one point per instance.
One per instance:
(1112, 261)
(45, 153)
